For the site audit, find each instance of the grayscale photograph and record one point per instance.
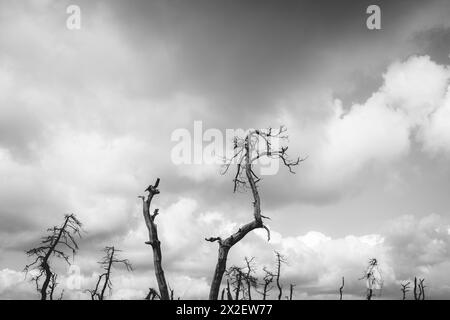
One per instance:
(231, 150)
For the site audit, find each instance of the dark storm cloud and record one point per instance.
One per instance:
(435, 42)
(245, 55)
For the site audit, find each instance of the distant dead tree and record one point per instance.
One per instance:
(153, 239)
(247, 151)
(60, 239)
(291, 290)
(416, 296)
(249, 277)
(280, 259)
(268, 279)
(229, 295)
(152, 294)
(373, 278)
(341, 289)
(405, 289)
(172, 293)
(421, 289)
(237, 277)
(104, 280)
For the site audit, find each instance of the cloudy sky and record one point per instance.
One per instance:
(86, 118)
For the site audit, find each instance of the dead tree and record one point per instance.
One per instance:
(229, 295)
(237, 277)
(60, 239)
(153, 239)
(247, 151)
(104, 280)
(268, 278)
(53, 284)
(280, 260)
(421, 289)
(415, 289)
(341, 289)
(249, 278)
(171, 292)
(152, 294)
(405, 289)
(291, 290)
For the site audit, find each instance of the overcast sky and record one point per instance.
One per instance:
(86, 118)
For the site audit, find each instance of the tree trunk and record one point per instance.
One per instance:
(229, 295)
(369, 294)
(415, 288)
(266, 284)
(154, 241)
(280, 288)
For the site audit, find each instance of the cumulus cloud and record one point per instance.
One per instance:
(410, 108)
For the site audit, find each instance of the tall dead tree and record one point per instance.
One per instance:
(341, 289)
(405, 289)
(60, 239)
(104, 280)
(280, 260)
(247, 151)
(153, 239)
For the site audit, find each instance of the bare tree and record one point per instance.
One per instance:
(104, 280)
(268, 279)
(60, 239)
(237, 277)
(249, 277)
(229, 295)
(421, 289)
(153, 239)
(53, 284)
(291, 290)
(171, 293)
(341, 289)
(280, 259)
(405, 289)
(152, 294)
(247, 151)
(415, 289)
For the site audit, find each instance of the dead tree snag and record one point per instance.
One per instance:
(341, 289)
(254, 146)
(405, 289)
(280, 260)
(153, 239)
(60, 240)
(104, 280)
